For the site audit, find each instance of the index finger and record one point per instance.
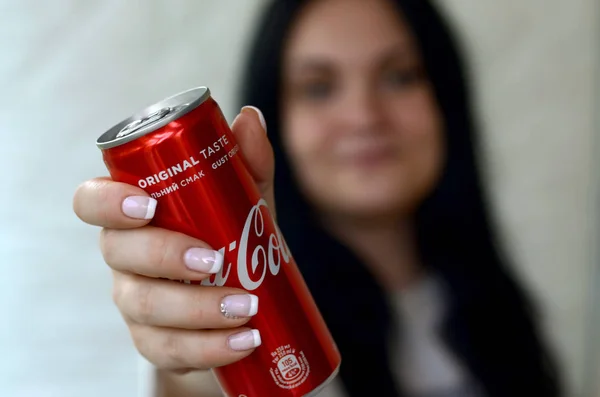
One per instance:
(106, 203)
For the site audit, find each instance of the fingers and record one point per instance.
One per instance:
(176, 325)
(160, 253)
(250, 133)
(166, 303)
(173, 349)
(103, 202)
(252, 138)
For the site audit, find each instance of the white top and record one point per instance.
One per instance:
(423, 365)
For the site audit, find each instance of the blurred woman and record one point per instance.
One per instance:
(378, 194)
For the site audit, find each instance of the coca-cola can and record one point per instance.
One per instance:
(182, 152)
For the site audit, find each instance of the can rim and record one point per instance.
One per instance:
(177, 105)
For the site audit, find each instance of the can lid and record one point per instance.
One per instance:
(153, 117)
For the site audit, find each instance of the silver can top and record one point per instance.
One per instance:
(153, 117)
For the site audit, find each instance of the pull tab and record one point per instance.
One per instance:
(141, 123)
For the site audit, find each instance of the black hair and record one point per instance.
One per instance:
(491, 325)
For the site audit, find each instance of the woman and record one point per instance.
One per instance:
(379, 198)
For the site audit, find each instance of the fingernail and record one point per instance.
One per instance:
(203, 260)
(245, 340)
(234, 306)
(139, 207)
(260, 116)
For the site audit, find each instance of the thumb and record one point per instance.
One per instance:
(250, 133)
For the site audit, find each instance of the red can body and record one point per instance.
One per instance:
(190, 162)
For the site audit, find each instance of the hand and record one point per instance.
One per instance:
(177, 327)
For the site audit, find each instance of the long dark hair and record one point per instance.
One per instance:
(491, 324)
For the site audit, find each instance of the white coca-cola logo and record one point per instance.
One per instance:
(253, 267)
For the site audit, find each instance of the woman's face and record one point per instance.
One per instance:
(360, 122)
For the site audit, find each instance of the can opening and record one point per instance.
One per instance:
(146, 121)
(153, 117)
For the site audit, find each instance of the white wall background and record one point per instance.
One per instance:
(71, 68)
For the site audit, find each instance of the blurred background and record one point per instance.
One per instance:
(70, 69)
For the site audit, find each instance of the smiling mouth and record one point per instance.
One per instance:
(371, 156)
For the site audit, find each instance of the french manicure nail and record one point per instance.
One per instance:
(245, 340)
(261, 117)
(234, 306)
(203, 260)
(139, 207)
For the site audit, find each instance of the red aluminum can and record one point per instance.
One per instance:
(181, 151)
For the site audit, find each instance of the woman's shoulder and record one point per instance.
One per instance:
(155, 383)
(333, 389)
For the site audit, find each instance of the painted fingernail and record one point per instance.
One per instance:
(203, 260)
(245, 340)
(234, 306)
(261, 117)
(139, 207)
